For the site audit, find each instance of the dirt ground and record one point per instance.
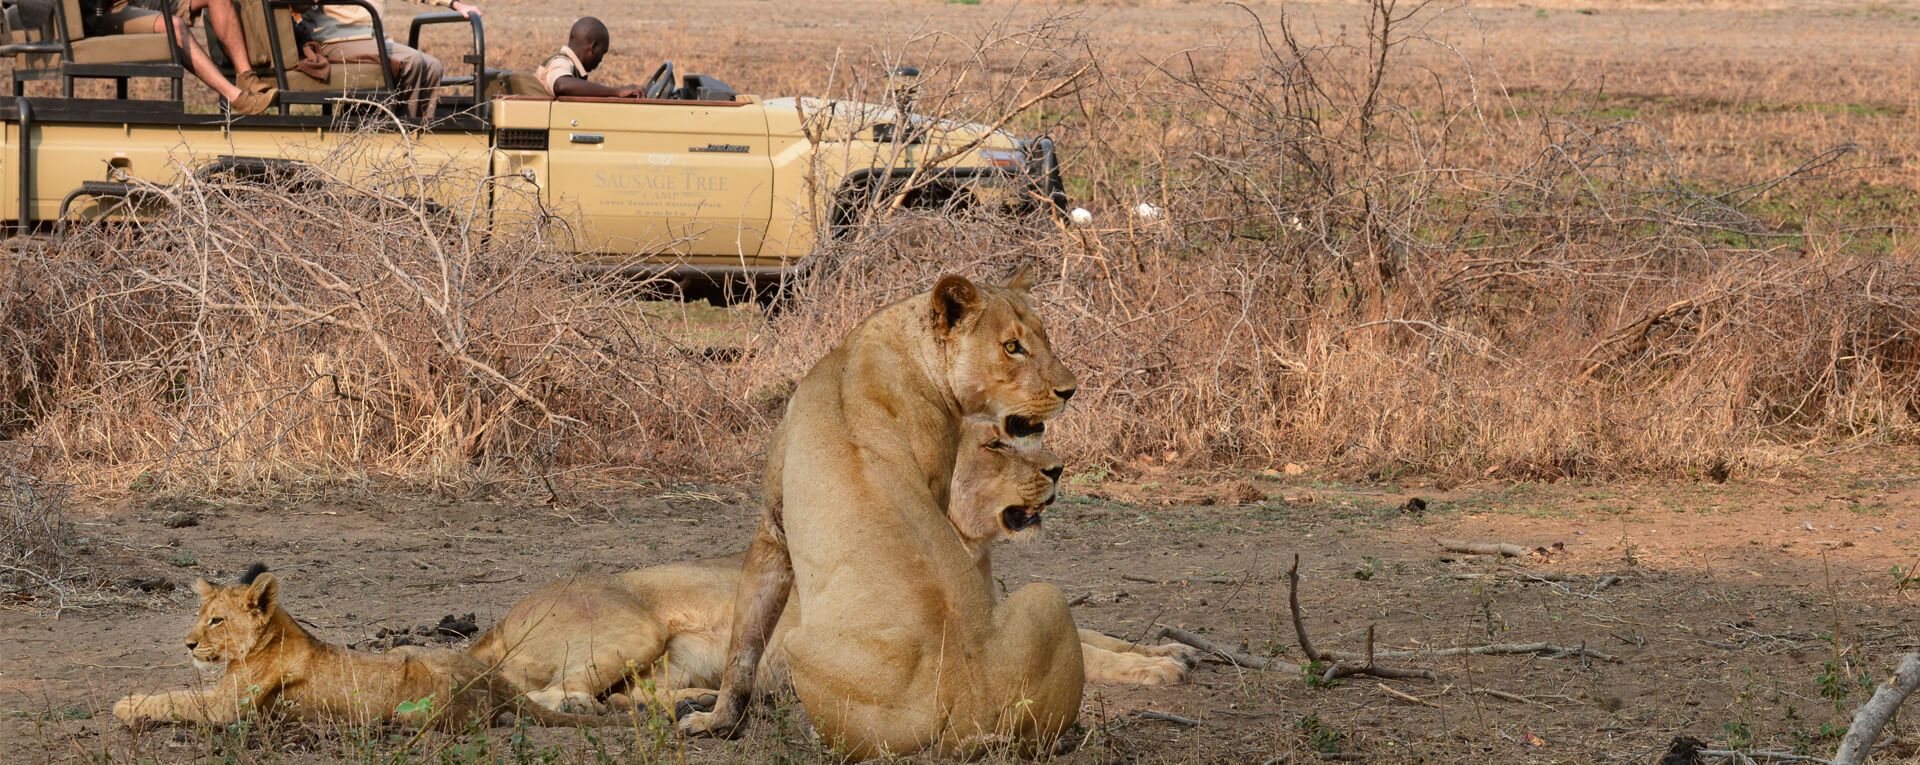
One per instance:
(1722, 624)
(1751, 613)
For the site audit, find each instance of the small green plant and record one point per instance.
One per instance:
(416, 706)
(184, 559)
(1319, 736)
(1539, 13)
(1739, 735)
(1904, 577)
(1370, 566)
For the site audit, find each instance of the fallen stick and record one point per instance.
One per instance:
(1743, 757)
(1873, 715)
(1232, 656)
(1501, 549)
(1339, 669)
(1403, 696)
(1192, 580)
(1497, 649)
(1293, 605)
(1186, 722)
(1366, 666)
(1505, 696)
(1079, 599)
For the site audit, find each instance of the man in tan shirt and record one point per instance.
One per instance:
(565, 73)
(345, 35)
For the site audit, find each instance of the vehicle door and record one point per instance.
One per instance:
(662, 177)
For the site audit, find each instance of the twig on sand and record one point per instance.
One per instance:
(1548, 650)
(1293, 605)
(1190, 580)
(1404, 696)
(1339, 668)
(1186, 722)
(1502, 549)
(1873, 715)
(1754, 757)
(1231, 655)
(1505, 696)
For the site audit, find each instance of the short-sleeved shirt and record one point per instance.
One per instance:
(562, 64)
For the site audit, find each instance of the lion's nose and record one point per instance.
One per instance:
(192, 645)
(1065, 393)
(1053, 473)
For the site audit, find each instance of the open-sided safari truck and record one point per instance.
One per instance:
(692, 181)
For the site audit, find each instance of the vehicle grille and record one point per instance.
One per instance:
(522, 139)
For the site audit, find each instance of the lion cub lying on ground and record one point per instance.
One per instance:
(568, 643)
(274, 664)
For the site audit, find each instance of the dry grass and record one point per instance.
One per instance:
(1374, 254)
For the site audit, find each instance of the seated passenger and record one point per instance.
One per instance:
(226, 28)
(345, 35)
(118, 18)
(565, 74)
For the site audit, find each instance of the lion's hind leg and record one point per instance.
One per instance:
(1035, 662)
(594, 663)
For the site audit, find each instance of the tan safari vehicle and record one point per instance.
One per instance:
(692, 181)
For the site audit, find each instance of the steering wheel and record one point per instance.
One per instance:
(660, 84)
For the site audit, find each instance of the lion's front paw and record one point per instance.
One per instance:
(1137, 669)
(1181, 652)
(710, 725)
(127, 711)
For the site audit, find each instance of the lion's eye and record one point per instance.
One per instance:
(215, 621)
(1014, 348)
(997, 445)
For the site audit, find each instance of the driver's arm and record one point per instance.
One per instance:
(574, 86)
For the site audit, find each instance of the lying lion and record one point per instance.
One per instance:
(568, 643)
(899, 645)
(273, 664)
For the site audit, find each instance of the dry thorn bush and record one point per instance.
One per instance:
(1365, 263)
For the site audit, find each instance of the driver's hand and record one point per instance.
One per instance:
(466, 10)
(630, 92)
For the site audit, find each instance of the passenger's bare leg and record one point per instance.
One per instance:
(226, 27)
(766, 579)
(197, 58)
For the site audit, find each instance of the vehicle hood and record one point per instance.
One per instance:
(839, 120)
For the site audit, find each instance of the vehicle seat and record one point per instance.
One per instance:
(110, 57)
(341, 77)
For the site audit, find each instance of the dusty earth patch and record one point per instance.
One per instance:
(1747, 612)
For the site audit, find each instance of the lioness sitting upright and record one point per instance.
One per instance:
(571, 642)
(274, 665)
(899, 645)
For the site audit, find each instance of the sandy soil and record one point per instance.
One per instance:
(1720, 625)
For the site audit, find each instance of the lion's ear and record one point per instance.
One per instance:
(955, 300)
(203, 588)
(1022, 279)
(264, 594)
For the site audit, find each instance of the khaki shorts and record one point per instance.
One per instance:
(128, 20)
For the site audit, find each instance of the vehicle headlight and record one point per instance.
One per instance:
(1003, 158)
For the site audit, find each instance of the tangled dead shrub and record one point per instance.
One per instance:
(1354, 267)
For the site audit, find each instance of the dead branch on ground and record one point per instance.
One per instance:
(1502, 549)
(1874, 715)
(1548, 650)
(1232, 656)
(1190, 580)
(1338, 669)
